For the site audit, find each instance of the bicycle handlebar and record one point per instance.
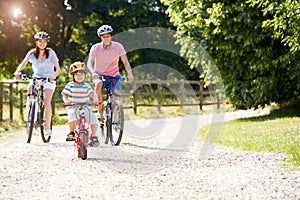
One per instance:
(123, 79)
(80, 104)
(25, 77)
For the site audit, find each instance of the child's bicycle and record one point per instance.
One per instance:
(113, 125)
(35, 109)
(82, 129)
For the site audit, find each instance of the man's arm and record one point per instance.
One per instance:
(127, 67)
(90, 63)
(91, 68)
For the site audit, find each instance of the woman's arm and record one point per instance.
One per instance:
(57, 72)
(17, 73)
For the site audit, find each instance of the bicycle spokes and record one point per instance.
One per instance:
(117, 124)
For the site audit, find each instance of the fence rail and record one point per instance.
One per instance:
(139, 93)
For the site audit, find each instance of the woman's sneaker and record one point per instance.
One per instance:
(70, 137)
(48, 132)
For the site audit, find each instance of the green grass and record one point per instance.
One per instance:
(153, 112)
(277, 132)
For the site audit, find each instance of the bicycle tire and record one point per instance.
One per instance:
(30, 120)
(82, 150)
(117, 123)
(102, 124)
(108, 122)
(42, 124)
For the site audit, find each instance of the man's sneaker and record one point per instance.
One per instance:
(70, 137)
(48, 132)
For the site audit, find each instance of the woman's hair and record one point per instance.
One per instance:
(37, 52)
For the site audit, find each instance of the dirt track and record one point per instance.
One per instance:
(157, 159)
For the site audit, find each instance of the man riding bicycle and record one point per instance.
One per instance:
(104, 59)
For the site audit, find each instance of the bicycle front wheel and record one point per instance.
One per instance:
(42, 124)
(82, 150)
(30, 114)
(117, 123)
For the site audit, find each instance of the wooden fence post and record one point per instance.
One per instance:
(1, 101)
(201, 93)
(159, 98)
(218, 101)
(11, 102)
(181, 93)
(134, 98)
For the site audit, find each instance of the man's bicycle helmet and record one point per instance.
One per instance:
(77, 66)
(42, 35)
(104, 29)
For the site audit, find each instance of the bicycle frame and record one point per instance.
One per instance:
(82, 128)
(109, 109)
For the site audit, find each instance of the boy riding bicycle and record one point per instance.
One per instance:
(78, 91)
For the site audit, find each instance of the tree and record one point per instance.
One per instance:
(73, 24)
(33, 16)
(257, 67)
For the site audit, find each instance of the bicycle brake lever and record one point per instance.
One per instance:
(24, 77)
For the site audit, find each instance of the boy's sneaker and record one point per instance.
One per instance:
(48, 132)
(94, 141)
(99, 116)
(70, 137)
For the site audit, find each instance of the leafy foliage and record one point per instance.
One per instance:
(253, 43)
(72, 25)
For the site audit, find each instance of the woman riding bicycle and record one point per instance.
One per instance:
(44, 65)
(104, 60)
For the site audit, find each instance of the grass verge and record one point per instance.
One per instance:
(277, 132)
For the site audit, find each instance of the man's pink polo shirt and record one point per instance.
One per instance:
(107, 60)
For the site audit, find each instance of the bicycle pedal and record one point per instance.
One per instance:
(70, 139)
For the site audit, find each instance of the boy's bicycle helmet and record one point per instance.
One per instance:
(42, 35)
(104, 29)
(77, 66)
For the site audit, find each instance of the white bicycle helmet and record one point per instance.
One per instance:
(42, 35)
(104, 29)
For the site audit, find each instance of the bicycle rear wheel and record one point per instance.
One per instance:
(42, 124)
(30, 120)
(117, 123)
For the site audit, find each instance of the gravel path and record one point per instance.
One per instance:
(154, 161)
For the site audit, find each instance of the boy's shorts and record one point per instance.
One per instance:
(89, 115)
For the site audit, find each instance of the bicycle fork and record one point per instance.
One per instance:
(81, 132)
(29, 105)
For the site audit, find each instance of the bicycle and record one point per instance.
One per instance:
(113, 125)
(82, 128)
(35, 109)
